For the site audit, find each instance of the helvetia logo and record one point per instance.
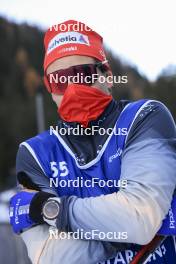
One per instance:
(67, 38)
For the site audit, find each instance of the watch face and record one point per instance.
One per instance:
(51, 209)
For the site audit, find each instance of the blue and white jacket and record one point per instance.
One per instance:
(120, 184)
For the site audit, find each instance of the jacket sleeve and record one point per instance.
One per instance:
(149, 166)
(29, 174)
(43, 248)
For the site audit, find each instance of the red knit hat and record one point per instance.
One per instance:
(72, 38)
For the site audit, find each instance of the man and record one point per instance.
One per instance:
(71, 180)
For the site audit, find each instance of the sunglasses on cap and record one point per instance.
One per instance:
(57, 81)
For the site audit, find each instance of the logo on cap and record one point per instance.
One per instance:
(67, 38)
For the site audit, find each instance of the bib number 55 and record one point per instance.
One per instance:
(63, 170)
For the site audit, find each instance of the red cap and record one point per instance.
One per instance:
(72, 38)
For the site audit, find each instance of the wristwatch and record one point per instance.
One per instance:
(50, 211)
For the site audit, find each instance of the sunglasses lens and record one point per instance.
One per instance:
(58, 82)
(80, 74)
(84, 74)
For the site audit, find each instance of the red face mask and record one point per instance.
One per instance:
(82, 104)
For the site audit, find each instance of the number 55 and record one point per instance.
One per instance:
(62, 167)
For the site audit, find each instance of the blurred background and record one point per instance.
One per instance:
(140, 42)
